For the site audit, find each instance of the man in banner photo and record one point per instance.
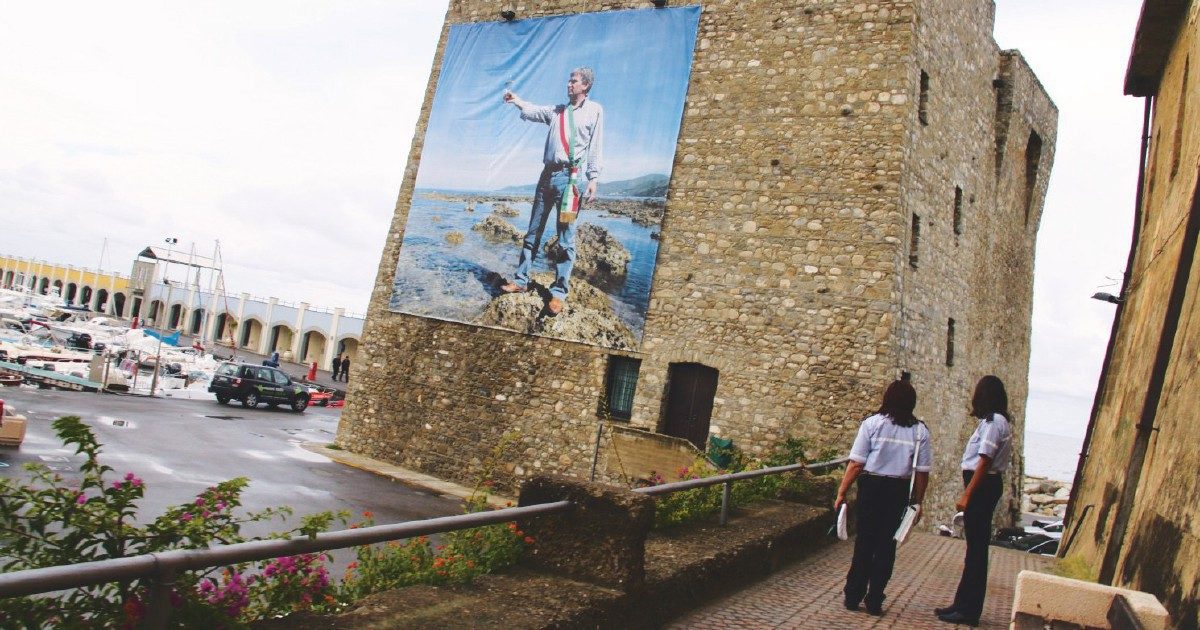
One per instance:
(573, 154)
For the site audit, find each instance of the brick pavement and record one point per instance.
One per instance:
(808, 594)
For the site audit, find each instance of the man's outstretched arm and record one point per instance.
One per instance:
(529, 111)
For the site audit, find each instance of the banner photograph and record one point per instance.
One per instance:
(543, 174)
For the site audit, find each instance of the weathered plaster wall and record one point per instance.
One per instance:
(1160, 552)
(784, 251)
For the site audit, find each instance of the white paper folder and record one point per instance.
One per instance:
(906, 523)
(842, 534)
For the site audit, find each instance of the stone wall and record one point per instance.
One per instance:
(784, 252)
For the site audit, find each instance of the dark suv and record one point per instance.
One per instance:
(253, 384)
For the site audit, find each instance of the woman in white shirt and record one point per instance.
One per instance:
(882, 462)
(984, 463)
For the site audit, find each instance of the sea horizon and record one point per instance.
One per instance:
(1051, 455)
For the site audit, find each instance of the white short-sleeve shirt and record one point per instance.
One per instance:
(992, 438)
(886, 448)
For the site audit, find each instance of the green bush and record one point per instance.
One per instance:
(686, 506)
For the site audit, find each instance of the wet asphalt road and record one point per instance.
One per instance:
(179, 447)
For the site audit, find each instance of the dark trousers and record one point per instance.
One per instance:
(881, 502)
(978, 530)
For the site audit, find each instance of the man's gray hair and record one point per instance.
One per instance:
(588, 76)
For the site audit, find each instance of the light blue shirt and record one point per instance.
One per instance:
(886, 448)
(589, 133)
(992, 438)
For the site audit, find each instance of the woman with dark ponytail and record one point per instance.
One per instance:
(984, 462)
(882, 462)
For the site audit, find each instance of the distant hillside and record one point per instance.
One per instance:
(644, 186)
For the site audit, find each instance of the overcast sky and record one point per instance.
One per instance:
(282, 129)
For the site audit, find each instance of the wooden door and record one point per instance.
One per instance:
(691, 388)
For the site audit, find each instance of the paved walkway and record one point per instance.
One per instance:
(809, 593)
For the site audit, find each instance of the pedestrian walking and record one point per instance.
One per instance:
(337, 367)
(346, 369)
(984, 462)
(882, 461)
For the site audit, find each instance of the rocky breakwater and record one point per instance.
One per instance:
(587, 318)
(1045, 497)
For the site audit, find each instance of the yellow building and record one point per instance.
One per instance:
(100, 291)
(1134, 518)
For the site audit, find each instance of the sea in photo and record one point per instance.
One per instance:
(1052, 456)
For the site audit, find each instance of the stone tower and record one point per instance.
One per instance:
(856, 194)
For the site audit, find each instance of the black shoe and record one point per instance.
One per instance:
(944, 611)
(958, 618)
(850, 605)
(875, 607)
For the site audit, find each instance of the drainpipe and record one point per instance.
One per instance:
(1102, 388)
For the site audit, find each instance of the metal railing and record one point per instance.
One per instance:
(727, 481)
(162, 567)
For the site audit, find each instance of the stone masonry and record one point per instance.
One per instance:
(813, 133)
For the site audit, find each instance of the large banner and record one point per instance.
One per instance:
(544, 172)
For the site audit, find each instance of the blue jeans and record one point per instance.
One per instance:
(546, 199)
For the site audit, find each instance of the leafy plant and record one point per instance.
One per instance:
(686, 506)
(50, 521)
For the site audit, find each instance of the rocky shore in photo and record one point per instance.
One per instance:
(645, 212)
(599, 257)
(497, 230)
(587, 318)
(1045, 497)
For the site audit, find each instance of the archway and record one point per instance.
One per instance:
(44, 286)
(119, 304)
(281, 339)
(8, 279)
(225, 328)
(58, 287)
(312, 347)
(137, 307)
(85, 296)
(176, 317)
(348, 347)
(153, 313)
(250, 334)
(101, 300)
(72, 292)
(197, 321)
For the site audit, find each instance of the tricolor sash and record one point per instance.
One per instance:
(568, 209)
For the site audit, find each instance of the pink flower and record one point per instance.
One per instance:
(185, 517)
(80, 500)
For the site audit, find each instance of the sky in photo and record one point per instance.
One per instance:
(476, 141)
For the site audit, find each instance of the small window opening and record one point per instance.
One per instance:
(958, 200)
(923, 100)
(1033, 159)
(914, 241)
(950, 342)
(620, 385)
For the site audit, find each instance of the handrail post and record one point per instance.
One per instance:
(158, 600)
(725, 491)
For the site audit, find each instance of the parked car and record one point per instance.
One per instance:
(319, 396)
(254, 384)
(12, 426)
